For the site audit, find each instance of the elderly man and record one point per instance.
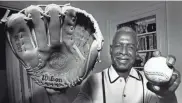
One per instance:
(121, 83)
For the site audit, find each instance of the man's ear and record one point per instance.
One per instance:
(137, 46)
(110, 48)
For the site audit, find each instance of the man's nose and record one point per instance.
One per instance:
(124, 50)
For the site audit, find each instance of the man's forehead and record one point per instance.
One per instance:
(125, 36)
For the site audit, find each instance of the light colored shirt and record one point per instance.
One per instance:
(112, 88)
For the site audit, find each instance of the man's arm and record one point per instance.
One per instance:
(84, 96)
(168, 99)
(90, 90)
(154, 98)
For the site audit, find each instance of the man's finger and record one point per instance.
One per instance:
(176, 81)
(153, 88)
(159, 90)
(172, 80)
(170, 60)
(157, 53)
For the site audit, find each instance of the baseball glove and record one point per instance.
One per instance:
(57, 44)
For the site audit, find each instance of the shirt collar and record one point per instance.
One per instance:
(113, 75)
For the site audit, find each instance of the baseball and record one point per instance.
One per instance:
(157, 71)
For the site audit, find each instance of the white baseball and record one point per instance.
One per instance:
(157, 71)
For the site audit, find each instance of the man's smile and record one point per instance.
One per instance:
(122, 60)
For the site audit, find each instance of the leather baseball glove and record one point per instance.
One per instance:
(57, 44)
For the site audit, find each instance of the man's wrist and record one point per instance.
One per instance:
(166, 95)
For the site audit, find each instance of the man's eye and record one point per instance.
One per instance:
(130, 47)
(117, 46)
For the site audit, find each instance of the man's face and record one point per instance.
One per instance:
(123, 51)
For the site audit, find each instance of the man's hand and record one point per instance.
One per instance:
(170, 87)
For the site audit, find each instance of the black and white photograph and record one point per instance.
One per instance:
(90, 51)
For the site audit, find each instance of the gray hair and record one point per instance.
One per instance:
(125, 29)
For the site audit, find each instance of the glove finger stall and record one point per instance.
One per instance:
(38, 26)
(19, 36)
(54, 24)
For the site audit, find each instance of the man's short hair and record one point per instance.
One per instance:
(126, 29)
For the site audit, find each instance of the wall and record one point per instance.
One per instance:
(174, 31)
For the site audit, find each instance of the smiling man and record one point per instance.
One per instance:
(123, 51)
(121, 83)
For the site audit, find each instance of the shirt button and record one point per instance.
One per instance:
(124, 95)
(120, 80)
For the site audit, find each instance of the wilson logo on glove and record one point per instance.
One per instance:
(58, 46)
